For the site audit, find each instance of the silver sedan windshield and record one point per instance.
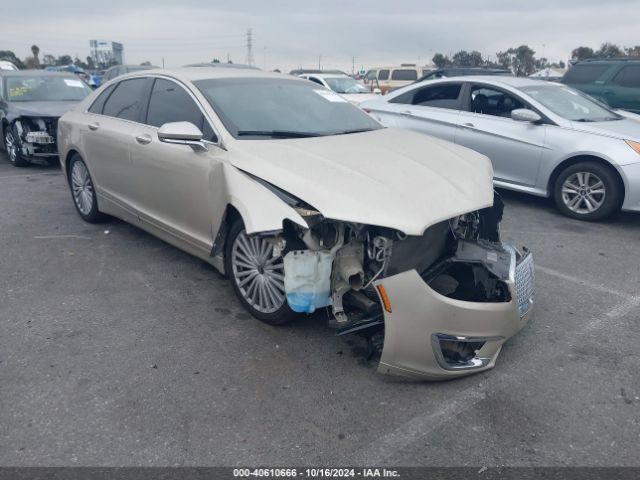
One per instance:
(570, 104)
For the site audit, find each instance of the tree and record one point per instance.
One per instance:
(63, 60)
(609, 50)
(475, 59)
(11, 57)
(582, 53)
(633, 51)
(90, 64)
(215, 60)
(521, 60)
(146, 63)
(439, 60)
(30, 63)
(49, 60)
(36, 51)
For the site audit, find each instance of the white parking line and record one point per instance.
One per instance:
(416, 428)
(21, 175)
(579, 281)
(47, 237)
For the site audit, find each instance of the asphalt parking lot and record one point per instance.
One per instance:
(117, 349)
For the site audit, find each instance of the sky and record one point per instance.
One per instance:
(294, 33)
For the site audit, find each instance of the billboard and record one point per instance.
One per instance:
(106, 53)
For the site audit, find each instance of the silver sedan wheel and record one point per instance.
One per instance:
(259, 276)
(583, 192)
(82, 187)
(11, 147)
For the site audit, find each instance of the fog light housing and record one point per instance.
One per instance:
(460, 353)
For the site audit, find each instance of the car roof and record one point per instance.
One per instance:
(35, 73)
(328, 75)
(198, 73)
(608, 60)
(515, 82)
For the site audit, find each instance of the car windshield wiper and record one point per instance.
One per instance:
(358, 130)
(276, 134)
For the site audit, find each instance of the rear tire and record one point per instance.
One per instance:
(588, 191)
(12, 146)
(83, 191)
(256, 277)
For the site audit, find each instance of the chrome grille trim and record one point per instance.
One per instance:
(524, 279)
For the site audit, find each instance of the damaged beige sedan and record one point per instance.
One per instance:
(307, 203)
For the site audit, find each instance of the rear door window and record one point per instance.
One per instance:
(629, 76)
(585, 73)
(405, 75)
(127, 99)
(383, 75)
(438, 96)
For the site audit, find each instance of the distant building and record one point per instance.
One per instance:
(106, 54)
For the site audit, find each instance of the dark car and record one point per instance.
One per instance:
(614, 81)
(31, 102)
(463, 72)
(118, 70)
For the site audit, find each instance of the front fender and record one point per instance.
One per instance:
(261, 209)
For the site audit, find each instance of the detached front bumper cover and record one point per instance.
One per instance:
(431, 336)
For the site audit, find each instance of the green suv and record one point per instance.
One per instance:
(614, 81)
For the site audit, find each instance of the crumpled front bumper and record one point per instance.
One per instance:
(420, 319)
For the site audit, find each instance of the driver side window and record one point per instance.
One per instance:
(169, 102)
(489, 101)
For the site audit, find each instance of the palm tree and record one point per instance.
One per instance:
(36, 51)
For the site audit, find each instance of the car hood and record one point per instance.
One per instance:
(41, 109)
(625, 129)
(358, 98)
(388, 177)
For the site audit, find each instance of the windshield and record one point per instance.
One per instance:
(570, 104)
(44, 88)
(281, 108)
(345, 85)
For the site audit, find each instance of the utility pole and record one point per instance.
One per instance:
(319, 62)
(264, 62)
(162, 62)
(353, 65)
(250, 60)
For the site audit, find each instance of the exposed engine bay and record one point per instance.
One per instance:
(334, 264)
(36, 137)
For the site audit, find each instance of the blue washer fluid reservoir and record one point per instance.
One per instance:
(307, 279)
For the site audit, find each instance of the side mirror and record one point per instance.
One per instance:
(525, 115)
(182, 133)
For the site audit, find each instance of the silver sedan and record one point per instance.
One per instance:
(543, 138)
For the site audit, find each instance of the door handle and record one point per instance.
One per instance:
(143, 139)
(407, 113)
(94, 126)
(608, 92)
(469, 125)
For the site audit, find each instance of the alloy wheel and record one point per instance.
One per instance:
(11, 147)
(82, 187)
(583, 192)
(258, 275)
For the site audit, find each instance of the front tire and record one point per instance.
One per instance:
(588, 191)
(257, 278)
(83, 191)
(12, 147)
